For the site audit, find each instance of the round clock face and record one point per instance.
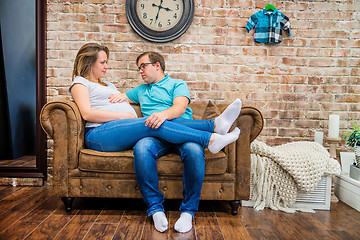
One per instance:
(159, 15)
(160, 20)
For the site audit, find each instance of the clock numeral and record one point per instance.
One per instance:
(151, 20)
(144, 16)
(142, 6)
(169, 23)
(177, 6)
(175, 15)
(159, 25)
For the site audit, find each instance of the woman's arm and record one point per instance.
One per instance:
(81, 97)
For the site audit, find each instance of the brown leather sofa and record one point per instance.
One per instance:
(81, 172)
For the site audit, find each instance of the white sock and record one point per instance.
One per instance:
(184, 223)
(227, 118)
(160, 221)
(220, 141)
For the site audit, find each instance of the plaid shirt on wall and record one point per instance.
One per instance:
(268, 26)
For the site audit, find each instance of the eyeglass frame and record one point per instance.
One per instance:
(143, 66)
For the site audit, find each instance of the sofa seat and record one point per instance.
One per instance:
(122, 162)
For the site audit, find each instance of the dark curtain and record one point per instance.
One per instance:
(5, 140)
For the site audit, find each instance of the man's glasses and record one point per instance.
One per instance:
(143, 66)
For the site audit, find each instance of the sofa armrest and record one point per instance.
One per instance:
(251, 124)
(61, 120)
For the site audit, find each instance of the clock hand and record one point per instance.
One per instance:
(157, 15)
(167, 9)
(160, 7)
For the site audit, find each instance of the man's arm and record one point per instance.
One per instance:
(175, 111)
(119, 97)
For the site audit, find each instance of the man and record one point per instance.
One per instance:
(163, 98)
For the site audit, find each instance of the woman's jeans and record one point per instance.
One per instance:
(147, 151)
(123, 134)
(189, 137)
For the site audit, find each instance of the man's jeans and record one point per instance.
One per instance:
(147, 151)
(123, 134)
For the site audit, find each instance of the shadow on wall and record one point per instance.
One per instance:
(5, 139)
(25, 130)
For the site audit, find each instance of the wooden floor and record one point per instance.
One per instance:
(34, 213)
(25, 161)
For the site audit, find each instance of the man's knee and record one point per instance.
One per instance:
(192, 150)
(143, 146)
(149, 148)
(193, 156)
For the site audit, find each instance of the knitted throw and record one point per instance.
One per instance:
(279, 173)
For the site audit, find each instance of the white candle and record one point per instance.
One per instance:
(334, 122)
(319, 136)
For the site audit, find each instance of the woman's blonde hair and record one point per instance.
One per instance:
(86, 58)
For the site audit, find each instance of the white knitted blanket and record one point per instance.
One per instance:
(279, 173)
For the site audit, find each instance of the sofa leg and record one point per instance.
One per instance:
(234, 207)
(68, 203)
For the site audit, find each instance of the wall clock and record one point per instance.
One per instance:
(160, 20)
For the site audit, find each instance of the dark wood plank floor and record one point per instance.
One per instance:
(25, 161)
(34, 213)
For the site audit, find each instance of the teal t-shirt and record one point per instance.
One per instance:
(157, 97)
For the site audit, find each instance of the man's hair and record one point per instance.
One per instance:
(154, 57)
(86, 58)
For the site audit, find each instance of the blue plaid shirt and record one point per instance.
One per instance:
(268, 26)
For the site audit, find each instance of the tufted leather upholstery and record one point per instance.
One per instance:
(81, 172)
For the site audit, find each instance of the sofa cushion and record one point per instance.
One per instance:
(122, 162)
(211, 111)
(205, 111)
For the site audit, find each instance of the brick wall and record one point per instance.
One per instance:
(296, 84)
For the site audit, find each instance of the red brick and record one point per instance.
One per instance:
(294, 61)
(305, 89)
(343, 16)
(213, 3)
(296, 83)
(293, 80)
(301, 24)
(282, 51)
(322, 62)
(336, 34)
(289, 114)
(71, 36)
(199, 12)
(323, 43)
(240, 3)
(215, 22)
(290, 42)
(254, 51)
(73, 18)
(225, 12)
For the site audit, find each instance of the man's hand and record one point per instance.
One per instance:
(155, 120)
(118, 97)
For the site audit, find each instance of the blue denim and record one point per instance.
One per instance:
(123, 134)
(189, 137)
(147, 151)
